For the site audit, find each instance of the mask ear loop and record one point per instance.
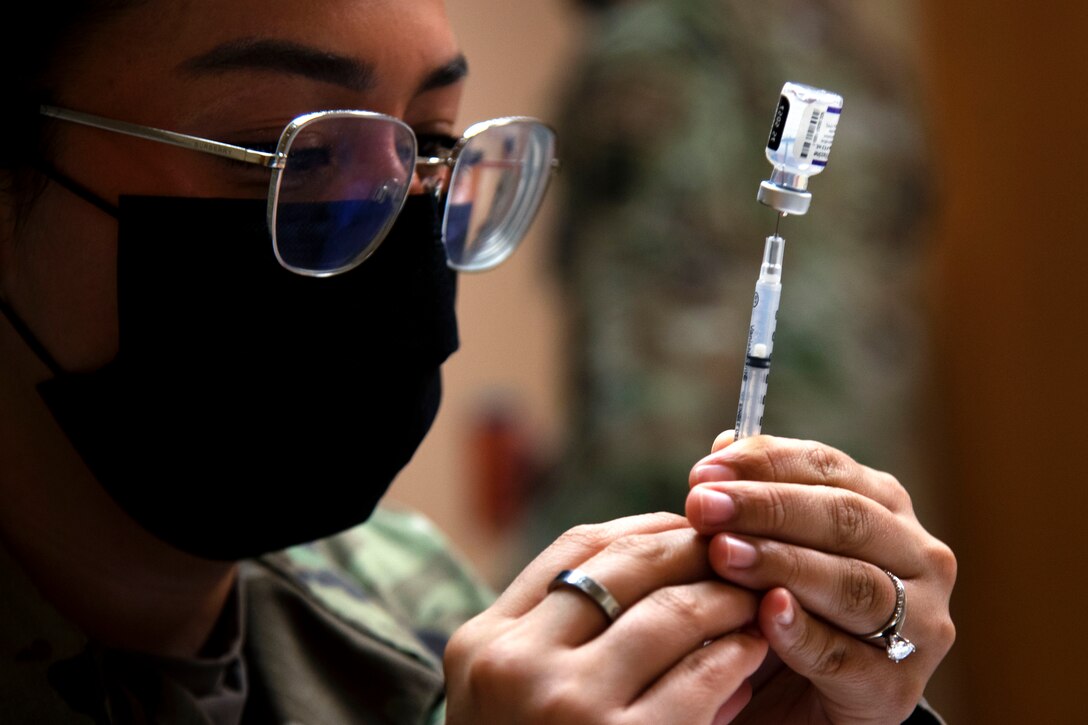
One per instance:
(74, 187)
(24, 331)
(29, 338)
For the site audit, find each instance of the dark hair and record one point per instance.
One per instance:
(37, 47)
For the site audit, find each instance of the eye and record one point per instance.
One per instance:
(247, 179)
(310, 158)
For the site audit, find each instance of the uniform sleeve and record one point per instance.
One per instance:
(371, 609)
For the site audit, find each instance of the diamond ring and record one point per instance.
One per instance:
(897, 646)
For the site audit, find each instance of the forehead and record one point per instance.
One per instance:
(145, 55)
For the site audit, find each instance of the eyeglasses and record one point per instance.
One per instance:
(339, 180)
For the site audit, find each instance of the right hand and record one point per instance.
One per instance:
(535, 657)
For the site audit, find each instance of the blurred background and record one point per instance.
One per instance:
(933, 320)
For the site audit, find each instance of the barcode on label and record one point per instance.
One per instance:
(810, 135)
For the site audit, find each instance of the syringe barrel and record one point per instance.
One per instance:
(764, 317)
(757, 362)
(753, 395)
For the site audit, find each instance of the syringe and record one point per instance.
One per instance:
(798, 146)
(757, 361)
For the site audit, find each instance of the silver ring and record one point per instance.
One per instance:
(577, 579)
(897, 646)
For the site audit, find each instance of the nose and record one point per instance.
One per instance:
(383, 163)
(430, 175)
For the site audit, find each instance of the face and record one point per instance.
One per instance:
(231, 71)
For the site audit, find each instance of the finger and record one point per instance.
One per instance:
(845, 670)
(572, 549)
(734, 705)
(724, 438)
(833, 520)
(516, 671)
(767, 458)
(665, 627)
(630, 568)
(854, 595)
(708, 683)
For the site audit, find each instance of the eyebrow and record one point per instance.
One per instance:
(294, 58)
(446, 75)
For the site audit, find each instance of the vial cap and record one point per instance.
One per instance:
(783, 199)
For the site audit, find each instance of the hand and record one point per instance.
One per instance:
(816, 531)
(536, 657)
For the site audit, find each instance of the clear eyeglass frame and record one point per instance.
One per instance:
(439, 173)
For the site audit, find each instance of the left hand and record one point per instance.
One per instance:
(815, 531)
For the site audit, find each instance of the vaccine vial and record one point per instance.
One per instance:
(799, 145)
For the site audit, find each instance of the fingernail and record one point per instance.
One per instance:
(785, 617)
(741, 554)
(715, 507)
(712, 472)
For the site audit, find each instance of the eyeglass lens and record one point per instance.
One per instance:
(346, 178)
(496, 188)
(343, 184)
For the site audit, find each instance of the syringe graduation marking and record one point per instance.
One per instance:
(757, 362)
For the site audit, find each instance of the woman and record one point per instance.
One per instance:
(226, 339)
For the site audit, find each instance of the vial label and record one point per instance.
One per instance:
(802, 132)
(825, 135)
(779, 123)
(815, 116)
(818, 126)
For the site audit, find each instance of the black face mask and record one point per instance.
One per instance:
(250, 408)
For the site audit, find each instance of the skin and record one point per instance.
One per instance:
(817, 547)
(534, 656)
(553, 658)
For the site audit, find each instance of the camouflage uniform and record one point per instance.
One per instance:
(662, 143)
(345, 630)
